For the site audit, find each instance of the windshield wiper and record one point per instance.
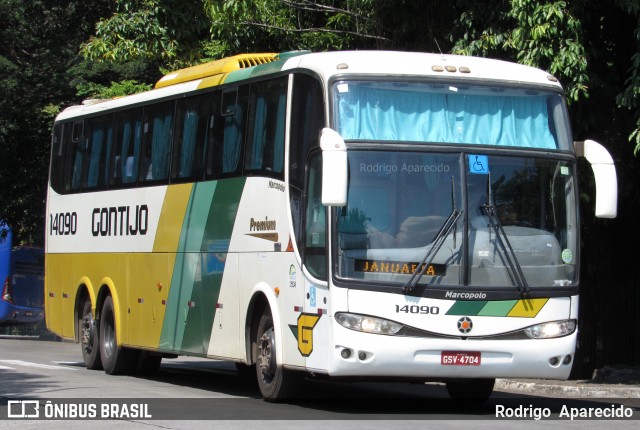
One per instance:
(503, 241)
(438, 241)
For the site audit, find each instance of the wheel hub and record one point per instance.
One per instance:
(87, 331)
(266, 353)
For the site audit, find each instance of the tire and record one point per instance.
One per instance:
(275, 382)
(475, 391)
(89, 339)
(115, 360)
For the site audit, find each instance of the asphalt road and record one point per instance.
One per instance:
(48, 379)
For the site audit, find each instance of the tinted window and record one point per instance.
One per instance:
(265, 151)
(76, 144)
(58, 154)
(225, 149)
(126, 155)
(156, 151)
(99, 135)
(193, 122)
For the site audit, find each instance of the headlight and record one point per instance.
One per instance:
(367, 323)
(551, 329)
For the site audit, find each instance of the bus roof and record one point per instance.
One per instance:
(325, 64)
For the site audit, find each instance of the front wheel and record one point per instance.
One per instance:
(115, 360)
(89, 342)
(275, 382)
(471, 390)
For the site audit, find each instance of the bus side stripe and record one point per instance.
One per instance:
(199, 265)
(171, 218)
(184, 267)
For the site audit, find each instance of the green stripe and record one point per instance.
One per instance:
(199, 265)
(214, 248)
(466, 308)
(497, 309)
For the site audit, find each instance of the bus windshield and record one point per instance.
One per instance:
(517, 229)
(450, 113)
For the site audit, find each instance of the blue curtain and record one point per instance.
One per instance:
(130, 162)
(231, 141)
(77, 166)
(189, 133)
(97, 137)
(161, 146)
(108, 153)
(370, 113)
(127, 162)
(259, 133)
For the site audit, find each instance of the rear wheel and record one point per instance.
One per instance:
(275, 382)
(115, 360)
(89, 342)
(471, 390)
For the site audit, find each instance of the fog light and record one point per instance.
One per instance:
(362, 356)
(567, 359)
(554, 361)
(345, 353)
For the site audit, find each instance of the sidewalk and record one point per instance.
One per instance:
(607, 383)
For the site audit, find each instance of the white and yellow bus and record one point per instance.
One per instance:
(369, 215)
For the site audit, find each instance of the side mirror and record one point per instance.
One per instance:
(334, 168)
(604, 172)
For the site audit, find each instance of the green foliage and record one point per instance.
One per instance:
(630, 97)
(173, 33)
(282, 25)
(38, 43)
(546, 34)
(116, 89)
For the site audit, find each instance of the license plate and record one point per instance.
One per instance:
(456, 358)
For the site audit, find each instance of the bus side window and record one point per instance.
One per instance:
(76, 157)
(126, 151)
(265, 145)
(58, 153)
(225, 145)
(193, 124)
(99, 140)
(156, 152)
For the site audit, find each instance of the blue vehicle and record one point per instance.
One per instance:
(22, 277)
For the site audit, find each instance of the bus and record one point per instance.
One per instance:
(22, 275)
(360, 215)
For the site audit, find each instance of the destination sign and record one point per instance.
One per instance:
(400, 267)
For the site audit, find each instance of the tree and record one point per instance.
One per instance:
(38, 44)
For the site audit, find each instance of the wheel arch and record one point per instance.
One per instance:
(84, 290)
(108, 288)
(262, 298)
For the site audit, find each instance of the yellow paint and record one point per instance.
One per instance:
(212, 81)
(306, 323)
(223, 66)
(174, 208)
(132, 281)
(59, 311)
(527, 308)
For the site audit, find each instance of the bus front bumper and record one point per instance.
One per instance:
(355, 354)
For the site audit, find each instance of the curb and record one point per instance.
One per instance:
(582, 389)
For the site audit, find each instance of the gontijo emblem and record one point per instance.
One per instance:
(303, 332)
